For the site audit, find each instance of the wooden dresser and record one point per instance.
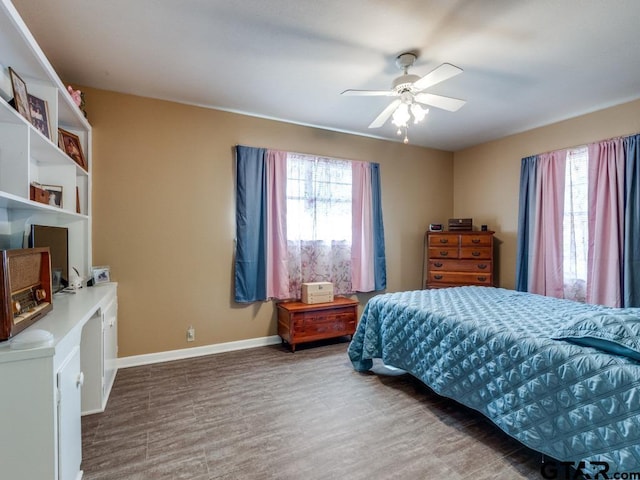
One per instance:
(303, 322)
(453, 259)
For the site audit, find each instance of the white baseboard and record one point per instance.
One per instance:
(149, 358)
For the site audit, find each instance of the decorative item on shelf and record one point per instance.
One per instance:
(37, 193)
(55, 195)
(78, 99)
(20, 95)
(76, 281)
(100, 274)
(70, 144)
(6, 91)
(460, 224)
(39, 110)
(78, 200)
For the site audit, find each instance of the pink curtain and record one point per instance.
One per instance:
(362, 273)
(277, 272)
(546, 276)
(606, 211)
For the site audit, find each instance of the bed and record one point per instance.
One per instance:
(561, 377)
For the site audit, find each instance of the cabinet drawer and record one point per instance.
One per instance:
(443, 252)
(475, 240)
(460, 266)
(479, 253)
(443, 239)
(340, 323)
(460, 278)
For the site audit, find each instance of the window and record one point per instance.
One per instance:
(319, 222)
(575, 230)
(318, 198)
(303, 218)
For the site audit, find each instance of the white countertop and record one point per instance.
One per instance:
(70, 313)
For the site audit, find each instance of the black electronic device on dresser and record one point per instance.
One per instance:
(57, 240)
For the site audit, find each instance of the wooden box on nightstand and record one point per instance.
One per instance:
(302, 322)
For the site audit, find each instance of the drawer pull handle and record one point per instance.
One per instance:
(475, 254)
(482, 279)
(444, 240)
(438, 277)
(482, 266)
(475, 240)
(444, 254)
(437, 265)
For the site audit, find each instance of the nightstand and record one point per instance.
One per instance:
(303, 322)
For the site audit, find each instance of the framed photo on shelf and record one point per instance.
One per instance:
(20, 95)
(39, 111)
(70, 144)
(55, 194)
(100, 274)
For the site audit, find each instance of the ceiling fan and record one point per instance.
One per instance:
(410, 92)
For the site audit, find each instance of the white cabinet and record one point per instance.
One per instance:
(69, 380)
(99, 352)
(42, 389)
(27, 156)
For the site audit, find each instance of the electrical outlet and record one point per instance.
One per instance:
(191, 334)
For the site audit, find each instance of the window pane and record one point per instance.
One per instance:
(575, 226)
(318, 198)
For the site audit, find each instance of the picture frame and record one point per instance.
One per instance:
(100, 274)
(39, 111)
(55, 194)
(20, 95)
(70, 144)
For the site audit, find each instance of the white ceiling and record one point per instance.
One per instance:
(526, 63)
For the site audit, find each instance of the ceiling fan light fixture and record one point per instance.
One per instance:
(401, 115)
(418, 112)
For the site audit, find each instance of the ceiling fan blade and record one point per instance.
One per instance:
(445, 103)
(440, 74)
(385, 114)
(370, 93)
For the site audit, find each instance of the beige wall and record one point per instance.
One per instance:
(163, 213)
(487, 177)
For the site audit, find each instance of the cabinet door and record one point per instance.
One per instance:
(70, 380)
(110, 335)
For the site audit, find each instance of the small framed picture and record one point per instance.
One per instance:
(100, 274)
(70, 144)
(55, 194)
(39, 111)
(20, 95)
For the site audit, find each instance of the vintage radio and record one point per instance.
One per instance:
(25, 289)
(317, 292)
(460, 224)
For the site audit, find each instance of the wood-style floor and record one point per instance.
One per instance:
(266, 413)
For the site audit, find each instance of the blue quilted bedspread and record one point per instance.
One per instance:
(490, 349)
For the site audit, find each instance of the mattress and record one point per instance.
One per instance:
(491, 350)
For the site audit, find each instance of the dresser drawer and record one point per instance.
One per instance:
(476, 240)
(456, 278)
(478, 253)
(443, 252)
(443, 239)
(460, 266)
